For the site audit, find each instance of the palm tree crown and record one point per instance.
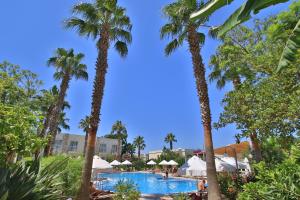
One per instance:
(84, 124)
(103, 15)
(68, 64)
(139, 143)
(170, 138)
(179, 25)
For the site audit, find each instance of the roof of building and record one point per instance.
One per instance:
(240, 148)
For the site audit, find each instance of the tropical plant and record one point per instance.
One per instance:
(26, 181)
(126, 190)
(119, 132)
(106, 22)
(242, 14)
(170, 138)
(84, 124)
(279, 181)
(180, 28)
(68, 65)
(69, 173)
(130, 149)
(139, 143)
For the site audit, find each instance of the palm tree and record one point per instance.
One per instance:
(181, 29)
(107, 23)
(119, 132)
(130, 149)
(139, 143)
(68, 65)
(84, 124)
(170, 138)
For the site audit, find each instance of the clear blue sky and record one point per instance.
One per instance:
(152, 94)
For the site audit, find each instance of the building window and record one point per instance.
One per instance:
(73, 146)
(102, 148)
(57, 145)
(114, 148)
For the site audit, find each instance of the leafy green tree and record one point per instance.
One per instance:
(231, 60)
(20, 117)
(84, 124)
(263, 110)
(180, 28)
(170, 138)
(68, 65)
(107, 23)
(243, 13)
(139, 143)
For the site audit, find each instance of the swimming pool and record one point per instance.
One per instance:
(148, 183)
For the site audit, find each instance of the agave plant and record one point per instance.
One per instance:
(26, 181)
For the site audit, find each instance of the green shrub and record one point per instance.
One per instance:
(139, 165)
(281, 181)
(181, 196)
(126, 190)
(70, 174)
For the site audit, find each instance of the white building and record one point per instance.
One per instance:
(74, 144)
(182, 152)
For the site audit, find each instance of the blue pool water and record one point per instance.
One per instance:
(149, 183)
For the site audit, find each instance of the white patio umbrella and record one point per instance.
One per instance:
(151, 162)
(163, 163)
(126, 162)
(99, 163)
(172, 162)
(115, 163)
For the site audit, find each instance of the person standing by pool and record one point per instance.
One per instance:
(200, 185)
(167, 174)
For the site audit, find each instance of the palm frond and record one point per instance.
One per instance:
(121, 48)
(209, 8)
(171, 30)
(83, 27)
(172, 46)
(231, 22)
(87, 10)
(291, 49)
(58, 75)
(121, 34)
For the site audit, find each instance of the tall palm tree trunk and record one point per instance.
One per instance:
(139, 153)
(56, 111)
(85, 142)
(171, 145)
(46, 123)
(119, 157)
(199, 73)
(99, 83)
